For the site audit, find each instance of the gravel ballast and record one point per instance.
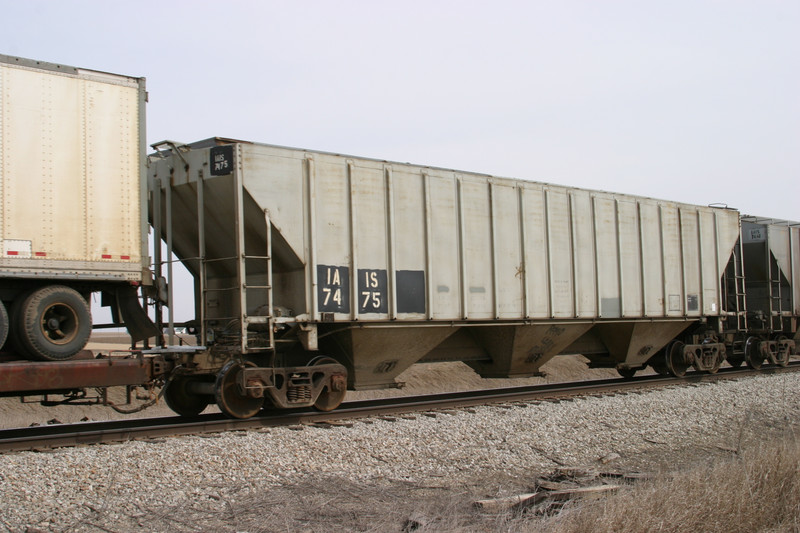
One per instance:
(71, 489)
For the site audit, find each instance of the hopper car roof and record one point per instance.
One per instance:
(217, 141)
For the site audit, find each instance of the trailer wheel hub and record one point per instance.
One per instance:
(59, 324)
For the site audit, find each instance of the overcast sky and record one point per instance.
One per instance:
(695, 101)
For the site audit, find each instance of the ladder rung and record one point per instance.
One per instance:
(258, 319)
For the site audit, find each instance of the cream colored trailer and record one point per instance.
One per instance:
(72, 191)
(384, 264)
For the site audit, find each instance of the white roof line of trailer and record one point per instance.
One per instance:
(68, 70)
(32, 63)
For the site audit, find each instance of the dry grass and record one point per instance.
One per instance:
(757, 490)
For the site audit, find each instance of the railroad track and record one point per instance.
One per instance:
(84, 433)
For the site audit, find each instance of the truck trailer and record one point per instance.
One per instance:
(72, 197)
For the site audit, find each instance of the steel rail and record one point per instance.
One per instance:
(86, 433)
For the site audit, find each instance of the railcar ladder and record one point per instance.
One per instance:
(775, 293)
(737, 284)
(736, 299)
(255, 343)
(248, 341)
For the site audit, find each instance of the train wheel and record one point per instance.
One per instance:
(330, 399)
(55, 323)
(183, 402)
(13, 343)
(735, 362)
(659, 363)
(660, 369)
(229, 398)
(3, 324)
(752, 353)
(676, 364)
(626, 373)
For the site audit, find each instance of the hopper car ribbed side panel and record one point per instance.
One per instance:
(388, 241)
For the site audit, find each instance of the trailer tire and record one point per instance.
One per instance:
(13, 343)
(4, 324)
(55, 323)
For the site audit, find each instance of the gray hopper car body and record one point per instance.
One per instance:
(382, 264)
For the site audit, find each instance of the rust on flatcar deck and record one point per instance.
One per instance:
(29, 376)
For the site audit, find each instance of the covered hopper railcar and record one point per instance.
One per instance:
(766, 292)
(379, 265)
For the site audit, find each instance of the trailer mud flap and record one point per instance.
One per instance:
(137, 322)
